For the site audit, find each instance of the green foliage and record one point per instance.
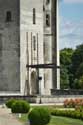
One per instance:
(65, 56)
(64, 78)
(65, 74)
(68, 113)
(79, 71)
(58, 120)
(71, 67)
(77, 66)
(76, 84)
(77, 104)
(80, 82)
(10, 102)
(77, 58)
(20, 106)
(39, 116)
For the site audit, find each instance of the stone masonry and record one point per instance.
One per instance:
(9, 47)
(28, 37)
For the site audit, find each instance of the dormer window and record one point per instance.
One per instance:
(8, 16)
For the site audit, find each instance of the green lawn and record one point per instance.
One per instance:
(65, 121)
(59, 121)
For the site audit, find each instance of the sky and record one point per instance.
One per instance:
(71, 23)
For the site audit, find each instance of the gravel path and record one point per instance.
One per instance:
(6, 118)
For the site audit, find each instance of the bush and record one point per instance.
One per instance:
(10, 102)
(73, 103)
(69, 103)
(82, 116)
(39, 116)
(68, 113)
(20, 106)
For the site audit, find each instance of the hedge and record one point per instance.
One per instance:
(68, 113)
(10, 102)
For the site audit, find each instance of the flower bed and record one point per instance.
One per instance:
(73, 103)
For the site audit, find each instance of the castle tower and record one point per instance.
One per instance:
(28, 37)
(51, 49)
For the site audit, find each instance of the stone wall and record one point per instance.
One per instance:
(52, 100)
(9, 47)
(66, 92)
(50, 44)
(27, 31)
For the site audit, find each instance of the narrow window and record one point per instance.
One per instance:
(8, 16)
(34, 16)
(47, 20)
(43, 8)
(47, 1)
(0, 44)
(34, 43)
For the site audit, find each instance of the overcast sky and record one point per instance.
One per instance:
(71, 23)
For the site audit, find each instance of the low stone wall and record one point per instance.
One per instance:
(57, 99)
(31, 99)
(66, 92)
(54, 99)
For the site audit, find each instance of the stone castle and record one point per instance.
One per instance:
(28, 36)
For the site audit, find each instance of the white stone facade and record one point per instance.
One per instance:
(27, 37)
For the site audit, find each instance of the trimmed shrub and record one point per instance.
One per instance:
(10, 102)
(68, 113)
(39, 116)
(20, 106)
(81, 116)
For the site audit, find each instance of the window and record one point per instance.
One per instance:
(47, 20)
(43, 8)
(1, 44)
(34, 43)
(47, 1)
(8, 16)
(34, 16)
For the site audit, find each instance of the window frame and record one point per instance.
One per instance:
(47, 20)
(34, 16)
(8, 16)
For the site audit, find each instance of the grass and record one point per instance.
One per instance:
(24, 118)
(55, 120)
(49, 106)
(52, 107)
(64, 121)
